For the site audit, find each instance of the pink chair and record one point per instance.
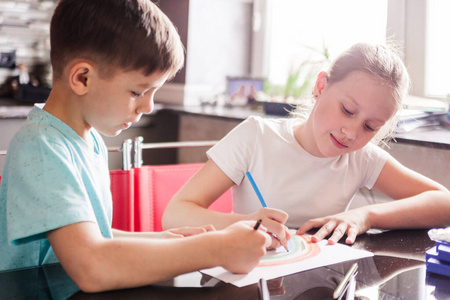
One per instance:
(156, 185)
(141, 194)
(122, 190)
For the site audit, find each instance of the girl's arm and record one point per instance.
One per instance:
(171, 233)
(189, 205)
(421, 203)
(96, 263)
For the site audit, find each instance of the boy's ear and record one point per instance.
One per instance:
(80, 76)
(321, 83)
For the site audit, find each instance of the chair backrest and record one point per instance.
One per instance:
(141, 194)
(122, 190)
(156, 185)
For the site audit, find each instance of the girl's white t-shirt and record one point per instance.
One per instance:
(288, 177)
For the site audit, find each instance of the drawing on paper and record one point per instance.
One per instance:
(300, 248)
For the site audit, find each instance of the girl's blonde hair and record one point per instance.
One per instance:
(382, 61)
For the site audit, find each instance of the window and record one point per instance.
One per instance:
(288, 27)
(437, 80)
(304, 34)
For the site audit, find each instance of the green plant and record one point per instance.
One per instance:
(300, 79)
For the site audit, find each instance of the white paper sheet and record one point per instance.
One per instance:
(328, 255)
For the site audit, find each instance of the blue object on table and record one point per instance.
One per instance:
(443, 250)
(255, 187)
(438, 259)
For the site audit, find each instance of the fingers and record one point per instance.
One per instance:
(323, 232)
(352, 233)
(273, 220)
(189, 231)
(336, 230)
(338, 233)
(275, 214)
(209, 228)
(308, 226)
(171, 235)
(276, 241)
(247, 244)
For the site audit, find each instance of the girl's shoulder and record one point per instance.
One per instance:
(269, 123)
(371, 152)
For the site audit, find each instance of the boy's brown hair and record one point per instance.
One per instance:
(127, 34)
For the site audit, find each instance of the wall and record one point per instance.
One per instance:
(200, 128)
(218, 43)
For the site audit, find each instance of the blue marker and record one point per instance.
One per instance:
(260, 197)
(255, 187)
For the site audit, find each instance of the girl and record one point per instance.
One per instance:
(311, 170)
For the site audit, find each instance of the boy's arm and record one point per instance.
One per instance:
(96, 263)
(421, 203)
(189, 205)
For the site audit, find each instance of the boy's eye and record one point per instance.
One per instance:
(137, 95)
(347, 111)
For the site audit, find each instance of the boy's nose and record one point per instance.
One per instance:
(145, 105)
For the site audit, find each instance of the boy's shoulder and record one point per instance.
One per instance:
(41, 128)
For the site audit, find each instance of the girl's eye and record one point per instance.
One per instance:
(347, 111)
(368, 127)
(137, 95)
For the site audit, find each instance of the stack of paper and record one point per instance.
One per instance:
(411, 119)
(425, 104)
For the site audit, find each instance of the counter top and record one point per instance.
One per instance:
(396, 271)
(436, 137)
(12, 109)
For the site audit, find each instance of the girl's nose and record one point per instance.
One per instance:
(350, 131)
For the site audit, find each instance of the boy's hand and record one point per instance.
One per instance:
(351, 223)
(274, 219)
(243, 247)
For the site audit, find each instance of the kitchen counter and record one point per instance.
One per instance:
(436, 137)
(12, 109)
(396, 271)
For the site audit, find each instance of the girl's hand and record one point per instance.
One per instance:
(351, 223)
(184, 231)
(274, 219)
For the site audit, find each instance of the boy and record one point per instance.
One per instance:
(108, 58)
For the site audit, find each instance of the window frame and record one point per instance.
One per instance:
(406, 24)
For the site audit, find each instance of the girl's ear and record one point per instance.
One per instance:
(321, 83)
(80, 76)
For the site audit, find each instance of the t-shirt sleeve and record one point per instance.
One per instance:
(373, 159)
(45, 190)
(233, 153)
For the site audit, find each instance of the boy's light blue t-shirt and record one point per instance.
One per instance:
(51, 179)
